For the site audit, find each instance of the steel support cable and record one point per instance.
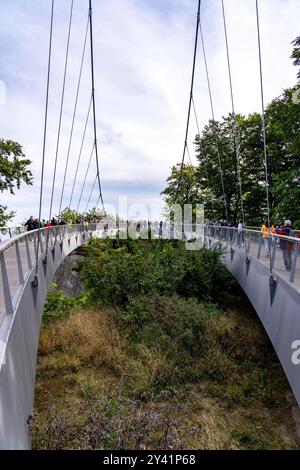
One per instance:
(235, 137)
(80, 152)
(74, 115)
(96, 178)
(84, 181)
(190, 98)
(61, 110)
(201, 149)
(213, 118)
(188, 152)
(94, 104)
(97, 202)
(35, 282)
(264, 129)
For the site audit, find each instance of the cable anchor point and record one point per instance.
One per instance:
(35, 281)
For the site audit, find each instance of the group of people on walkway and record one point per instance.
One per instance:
(270, 234)
(287, 247)
(35, 223)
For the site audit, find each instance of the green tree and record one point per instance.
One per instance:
(69, 215)
(13, 171)
(203, 184)
(253, 169)
(216, 155)
(182, 189)
(296, 54)
(247, 149)
(283, 121)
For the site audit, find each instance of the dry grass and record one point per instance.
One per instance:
(145, 368)
(84, 337)
(84, 357)
(212, 432)
(241, 334)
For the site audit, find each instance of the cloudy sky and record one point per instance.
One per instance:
(143, 59)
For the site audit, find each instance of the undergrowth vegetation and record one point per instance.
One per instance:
(163, 352)
(115, 271)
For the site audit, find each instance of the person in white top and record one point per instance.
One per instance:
(240, 228)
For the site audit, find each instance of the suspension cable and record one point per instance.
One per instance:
(80, 152)
(190, 98)
(84, 181)
(94, 104)
(264, 130)
(61, 109)
(188, 152)
(44, 146)
(201, 149)
(235, 136)
(213, 118)
(92, 193)
(74, 114)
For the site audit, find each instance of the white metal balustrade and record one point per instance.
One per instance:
(18, 258)
(254, 245)
(273, 290)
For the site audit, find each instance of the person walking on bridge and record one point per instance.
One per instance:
(285, 245)
(30, 224)
(266, 233)
(240, 230)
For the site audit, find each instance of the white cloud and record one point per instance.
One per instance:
(143, 58)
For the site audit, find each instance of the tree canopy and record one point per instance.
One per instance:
(234, 147)
(296, 54)
(13, 171)
(203, 183)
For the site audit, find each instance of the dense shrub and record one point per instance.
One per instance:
(167, 335)
(58, 304)
(179, 341)
(117, 270)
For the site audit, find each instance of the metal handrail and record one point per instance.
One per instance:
(243, 238)
(54, 228)
(6, 244)
(245, 230)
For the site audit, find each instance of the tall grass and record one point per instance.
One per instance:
(156, 362)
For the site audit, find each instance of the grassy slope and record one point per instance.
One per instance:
(99, 386)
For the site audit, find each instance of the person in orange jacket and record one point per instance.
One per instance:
(266, 233)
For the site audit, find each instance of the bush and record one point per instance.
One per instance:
(116, 271)
(58, 304)
(170, 341)
(178, 341)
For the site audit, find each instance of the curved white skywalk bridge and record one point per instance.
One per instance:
(275, 296)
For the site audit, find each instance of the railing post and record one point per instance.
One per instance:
(19, 263)
(34, 242)
(28, 253)
(273, 255)
(293, 272)
(5, 283)
(249, 243)
(259, 247)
